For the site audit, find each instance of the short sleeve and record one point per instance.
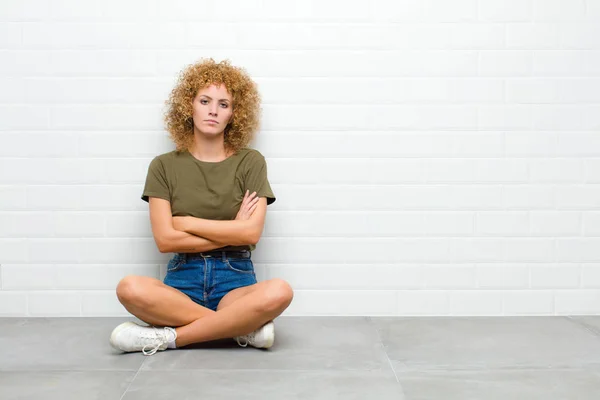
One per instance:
(156, 182)
(257, 180)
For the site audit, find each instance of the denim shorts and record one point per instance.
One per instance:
(207, 278)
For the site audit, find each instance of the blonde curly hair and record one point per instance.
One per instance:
(246, 103)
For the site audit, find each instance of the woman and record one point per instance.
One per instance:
(208, 200)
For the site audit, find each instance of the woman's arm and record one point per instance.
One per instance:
(170, 240)
(234, 232)
(175, 241)
(238, 232)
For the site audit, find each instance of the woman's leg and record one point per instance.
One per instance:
(240, 312)
(158, 304)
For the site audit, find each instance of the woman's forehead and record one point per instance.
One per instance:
(218, 91)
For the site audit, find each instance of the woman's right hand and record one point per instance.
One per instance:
(248, 206)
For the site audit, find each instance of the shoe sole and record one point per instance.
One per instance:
(116, 331)
(271, 330)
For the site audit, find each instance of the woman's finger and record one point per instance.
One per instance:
(248, 201)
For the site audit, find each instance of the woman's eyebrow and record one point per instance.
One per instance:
(211, 97)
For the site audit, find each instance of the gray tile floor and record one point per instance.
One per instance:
(313, 358)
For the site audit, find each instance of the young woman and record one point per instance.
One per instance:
(208, 200)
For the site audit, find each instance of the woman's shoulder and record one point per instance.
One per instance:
(169, 156)
(250, 158)
(249, 153)
(244, 155)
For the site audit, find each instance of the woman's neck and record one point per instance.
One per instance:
(209, 150)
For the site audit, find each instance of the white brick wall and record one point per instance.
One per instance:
(429, 157)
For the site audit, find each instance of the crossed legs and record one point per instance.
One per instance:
(239, 312)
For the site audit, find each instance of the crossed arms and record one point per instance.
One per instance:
(190, 234)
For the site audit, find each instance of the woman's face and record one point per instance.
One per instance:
(213, 109)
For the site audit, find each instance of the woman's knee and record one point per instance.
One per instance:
(279, 294)
(133, 290)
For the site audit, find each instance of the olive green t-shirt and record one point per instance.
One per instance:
(209, 190)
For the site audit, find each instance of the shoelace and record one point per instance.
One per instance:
(249, 337)
(160, 337)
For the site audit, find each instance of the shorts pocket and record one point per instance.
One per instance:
(243, 265)
(174, 264)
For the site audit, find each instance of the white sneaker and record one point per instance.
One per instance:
(263, 337)
(130, 336)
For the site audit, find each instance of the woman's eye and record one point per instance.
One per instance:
(204, 101)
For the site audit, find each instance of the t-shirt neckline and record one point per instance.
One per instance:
(208, 162)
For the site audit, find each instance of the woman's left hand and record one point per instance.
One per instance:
(180, 223)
